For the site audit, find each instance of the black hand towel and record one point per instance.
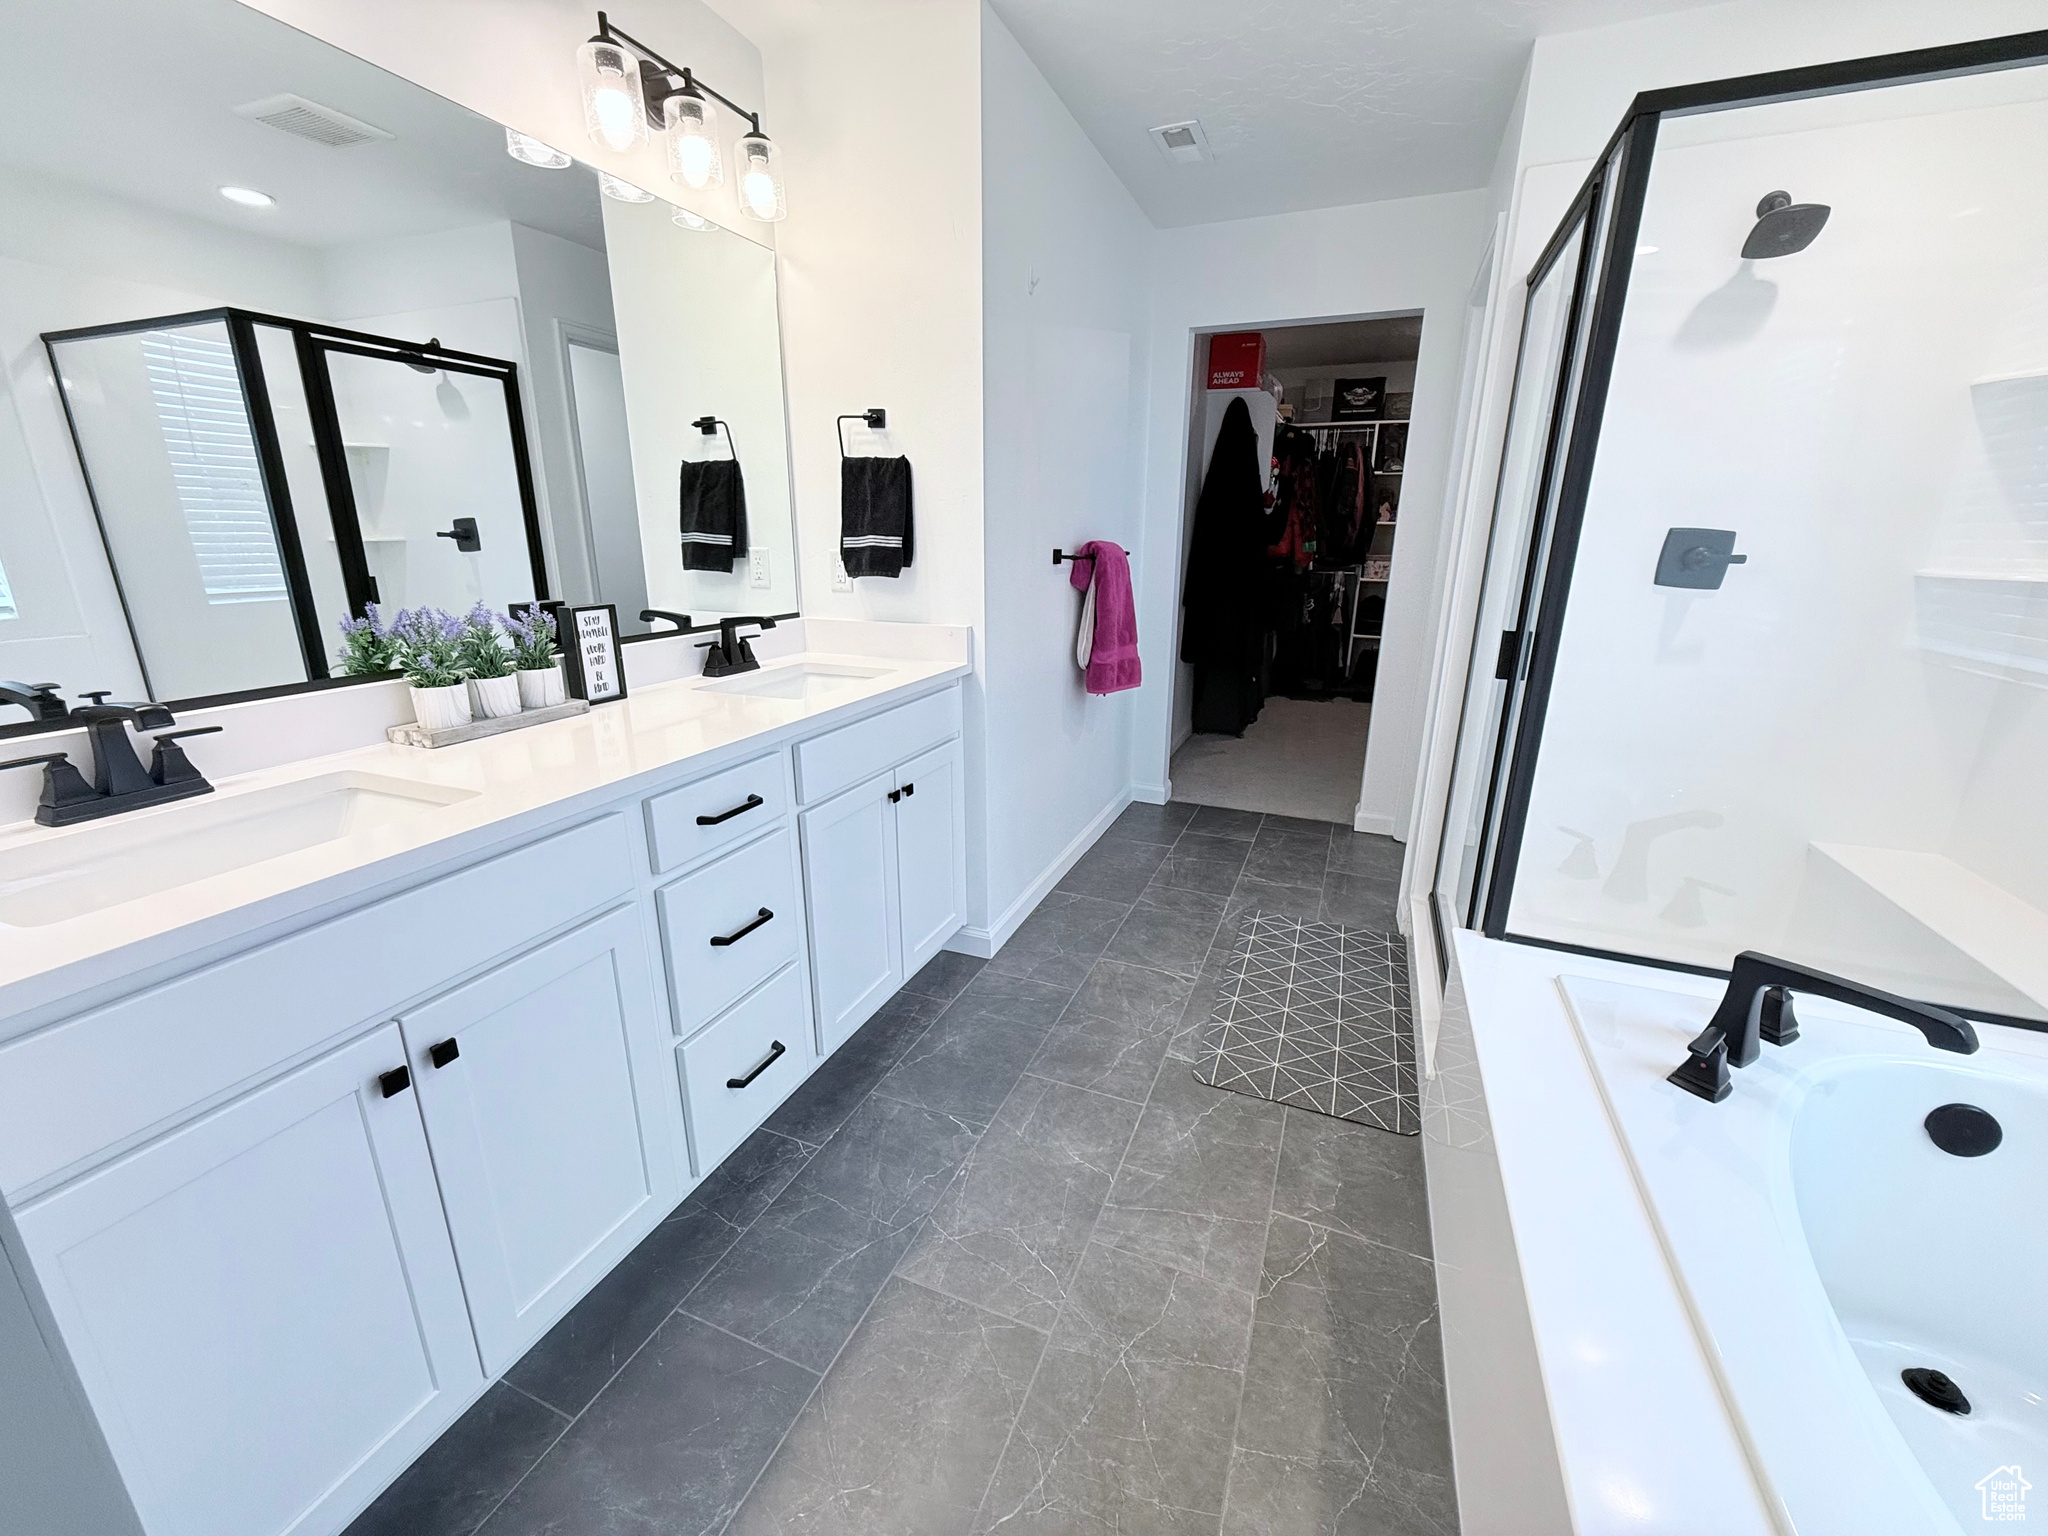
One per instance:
(714, 514)
(875, 532)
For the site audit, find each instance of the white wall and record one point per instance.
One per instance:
(1065, 340)
(1373, 259)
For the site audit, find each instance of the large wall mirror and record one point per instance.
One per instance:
(286, 335)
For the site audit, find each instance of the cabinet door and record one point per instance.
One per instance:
(549, 1100)
(264, 1306)
(849, 847)
(931, 853)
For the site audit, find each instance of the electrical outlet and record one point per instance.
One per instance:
(841, 582)
(757, 566)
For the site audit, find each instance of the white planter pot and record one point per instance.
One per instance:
(495, 697)
(541, 686)
(440, 709)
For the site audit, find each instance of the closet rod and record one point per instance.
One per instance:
(1346, 426)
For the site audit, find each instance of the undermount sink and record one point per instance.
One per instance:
(45, 879)
(803, 680)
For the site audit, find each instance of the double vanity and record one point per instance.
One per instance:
(324, 1096)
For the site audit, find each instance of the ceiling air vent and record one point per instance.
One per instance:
(1182, 143)
(309, 120)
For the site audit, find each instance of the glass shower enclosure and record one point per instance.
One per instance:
(256, 480)
(1762, 649)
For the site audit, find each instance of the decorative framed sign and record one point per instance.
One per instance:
(590, 652)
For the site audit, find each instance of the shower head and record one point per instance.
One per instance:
(1783, 226)
(417, 363)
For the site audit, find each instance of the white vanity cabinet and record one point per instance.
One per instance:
(885, 871)
(263, 1306)
(291, 1207)
(543, 1083)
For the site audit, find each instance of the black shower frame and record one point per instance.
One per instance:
(1634, 141)
(312, 344)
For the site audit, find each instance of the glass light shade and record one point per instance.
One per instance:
(696, 223)
(624, 191)
(614, 103)
(693, 157)
(530, 151)
(761, 194)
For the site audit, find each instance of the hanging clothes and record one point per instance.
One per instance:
(1223, 630)
(1344, 511)
(1294, 484)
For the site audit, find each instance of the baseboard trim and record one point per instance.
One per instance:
(1382, 826)
(1152, 794)
(984, 942)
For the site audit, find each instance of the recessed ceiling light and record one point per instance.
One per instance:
(248, 197)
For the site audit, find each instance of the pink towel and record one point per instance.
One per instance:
(1113, 664)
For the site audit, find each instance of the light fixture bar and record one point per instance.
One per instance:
(606, 32)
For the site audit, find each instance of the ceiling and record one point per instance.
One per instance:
(1334, 343)
(163, 133)
(1305, 105)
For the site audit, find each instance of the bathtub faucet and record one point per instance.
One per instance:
(1758, 1006)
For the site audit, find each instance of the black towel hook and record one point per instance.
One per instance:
(1059, 554)
(876, 418)
(709, 426)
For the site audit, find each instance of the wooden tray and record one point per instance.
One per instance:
(416, 735)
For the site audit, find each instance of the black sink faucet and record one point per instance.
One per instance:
(116, 770)
(120, 782)
(39, 699)
(1758, 1006)
(730, 653)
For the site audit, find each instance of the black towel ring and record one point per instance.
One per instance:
(874, 416)
(709, 426)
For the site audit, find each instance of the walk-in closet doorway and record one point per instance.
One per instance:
(1297, 435)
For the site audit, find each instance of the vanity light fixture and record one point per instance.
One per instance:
(248, 197)
(624, 191)
(530, 151)
(692, 122)
(629, 89)
(761, 194)
(696, 223)
(614, 96)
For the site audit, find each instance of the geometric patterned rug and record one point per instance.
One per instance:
(1316, 1016)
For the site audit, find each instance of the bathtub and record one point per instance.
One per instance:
(1821, 1243)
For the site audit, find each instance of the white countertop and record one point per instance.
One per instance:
(519, 781)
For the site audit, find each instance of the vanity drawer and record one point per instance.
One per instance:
(724, 901)
(687, 823)
(737, 1050)
(101, 1079)
(827, 764)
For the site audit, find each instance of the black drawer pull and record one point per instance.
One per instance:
(753, 802)
(740, 933)
(440, 1055)
(775, 1050)
(895, 795)
(909, 789)
(394, 1082)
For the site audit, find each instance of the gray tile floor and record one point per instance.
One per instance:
(1002, 1264)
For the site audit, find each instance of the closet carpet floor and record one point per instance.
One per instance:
(1002, 1264)
(1301, 757)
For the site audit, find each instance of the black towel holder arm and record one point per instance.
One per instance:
(1059, 554)
(875, 416)
(709, 426)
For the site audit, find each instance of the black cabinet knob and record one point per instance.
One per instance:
(394, 1082)
(895, 795)
(440, 1055)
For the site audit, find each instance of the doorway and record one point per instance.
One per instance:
(1292, 503)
